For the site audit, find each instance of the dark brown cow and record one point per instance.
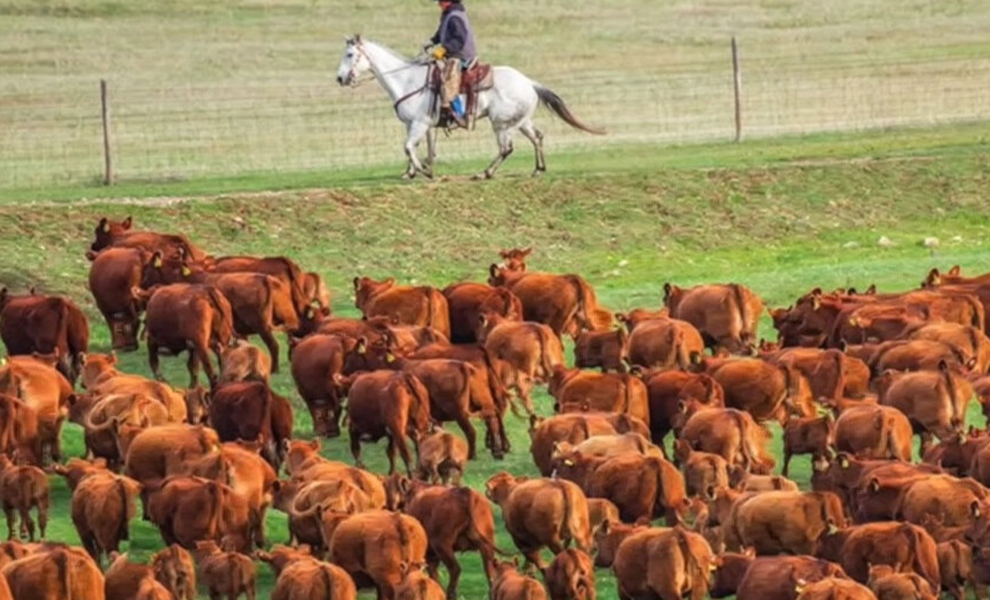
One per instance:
(191, 509)
(666, 389)
(934, 401)
(726, 315)
(874, 432)
(606, 392)
(315, 362)
(468, 301)
(807, 435)
(40, 324)
(565, 303)
(386, 404)
(112, 276)
(193, 318)
(251, 411)
(606, 350)
(455, 520)
(424, 306)
(118, 234)
(279, 267)
(897, 544)
(571, 576)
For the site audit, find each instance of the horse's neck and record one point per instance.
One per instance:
(397, 75)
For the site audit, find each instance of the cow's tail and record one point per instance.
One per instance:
(296, 290)
(222, 306)
(750, 454)
(559, 107)
(327, 581)
(496, 387)
(437, 316)
(745, 335)
(416, 388)
(216, 507)
(476, 504)
(123, 531)
(917, 548)
(974, 342)
(950, 388)
(64, 574)
(586, 301)
(696, 573)
(545, 344)
(628, 385)
(400, 528)
(840, 376)
(566, 528)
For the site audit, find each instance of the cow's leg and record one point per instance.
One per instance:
(204, 357)
(57, 441)
(472, 436)
(453, 569)
(11, 525)
(404, 453)
(43, 507)
(787, 461)
(535, 136)
(356, 448)
(272, 344)
(153, 359)
(504, 139)
(27, 523)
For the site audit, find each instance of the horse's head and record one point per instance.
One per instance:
(354, 62)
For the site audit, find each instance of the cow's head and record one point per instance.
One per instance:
(365, 288)
(672, 296)
(515, 258)
(107, 231)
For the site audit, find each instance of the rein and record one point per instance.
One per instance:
(416, 92)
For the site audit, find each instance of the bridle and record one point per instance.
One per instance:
(352, 76)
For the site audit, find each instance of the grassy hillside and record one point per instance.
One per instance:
(242, 86)
(780, 216)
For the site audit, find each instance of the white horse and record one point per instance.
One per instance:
(510, 104)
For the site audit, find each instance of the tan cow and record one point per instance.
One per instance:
(776, 522)
(372, 547)
(174, 569)
(423, 306)
(45, 390)
(575, 428)
(664, 344)
(832, 588)
(442, 458)
(530, 349)
(225, 573)
(23, 488)
(669, 564)
(570, 576)
(874, 432)
(63, 573)
(244, 362)
(101, 377)
(934, 401)
(541, 512)
(726, 315)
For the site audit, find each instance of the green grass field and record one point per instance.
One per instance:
(231, 87)
(781, 216)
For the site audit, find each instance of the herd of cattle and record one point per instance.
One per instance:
(853, 378)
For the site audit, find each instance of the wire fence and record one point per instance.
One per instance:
(178, 130)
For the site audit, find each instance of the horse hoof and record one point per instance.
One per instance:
(408, 175)
(539, 172)
(482, 176)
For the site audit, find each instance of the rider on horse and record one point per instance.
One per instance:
(455, 47)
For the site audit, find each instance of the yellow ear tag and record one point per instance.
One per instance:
(389, 357)
(158, 262)
(361, 349)
(186, 271)
(569, 462)
(106, 227)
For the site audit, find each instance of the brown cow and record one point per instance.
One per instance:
(874, 432)
(112, 276)
(606, 392)
(726, 315)
(315, 362)
(118, 234)
(23, 488)
(251, 411)
(783, 522)
(126, 580)
(411, 305)
(300, 576)
(830, 373)
(889, 584)
(764, 390)
(606, 350)
(510, 584)
(183, 317)
(468, 301)
(457, 390)
(541, 512)
(763, 580)
(955, 565)
(641, 486)
(306, 501)
(43, 389)
(969, 341)
(564, 303)
(896, 544)
(575, 428)
(455, 520)
(315, 291)
(667, 388)
(36, 323)
(944, 495)
(807, 435)
(831, 588)
(417, 586)
(730, 433)
(244, 362)
(372, 547)
(386, 404)
(225, 573)
(19, 433)
(62, 573)
(442, 457)
(279, 267)
(157, 452)
(918, 355)
(173, 568)
(101, 378)
(112, 413)
(529, 348)
(570, 576)
(703, 471)
(601, 510)
(191, 509)
(934, 401)
(102, 507)
(669, 564)
(664, 344)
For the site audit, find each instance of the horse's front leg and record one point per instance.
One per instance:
(415, 133)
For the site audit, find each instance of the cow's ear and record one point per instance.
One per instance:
(104, 225)
(309, 312)
(874, 485)
(493, 270)
(955, 270)
(605, 526)
(127, 222)
(357, 283)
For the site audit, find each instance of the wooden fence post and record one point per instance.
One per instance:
(105, 111)
(737, 87)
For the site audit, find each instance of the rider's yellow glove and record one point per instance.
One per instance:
(439, 52)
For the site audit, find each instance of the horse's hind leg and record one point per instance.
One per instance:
(414, 135)
(535, 136)
(504, 137)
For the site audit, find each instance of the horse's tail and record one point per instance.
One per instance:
(558, 106)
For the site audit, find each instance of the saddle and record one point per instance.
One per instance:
(477, 78)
